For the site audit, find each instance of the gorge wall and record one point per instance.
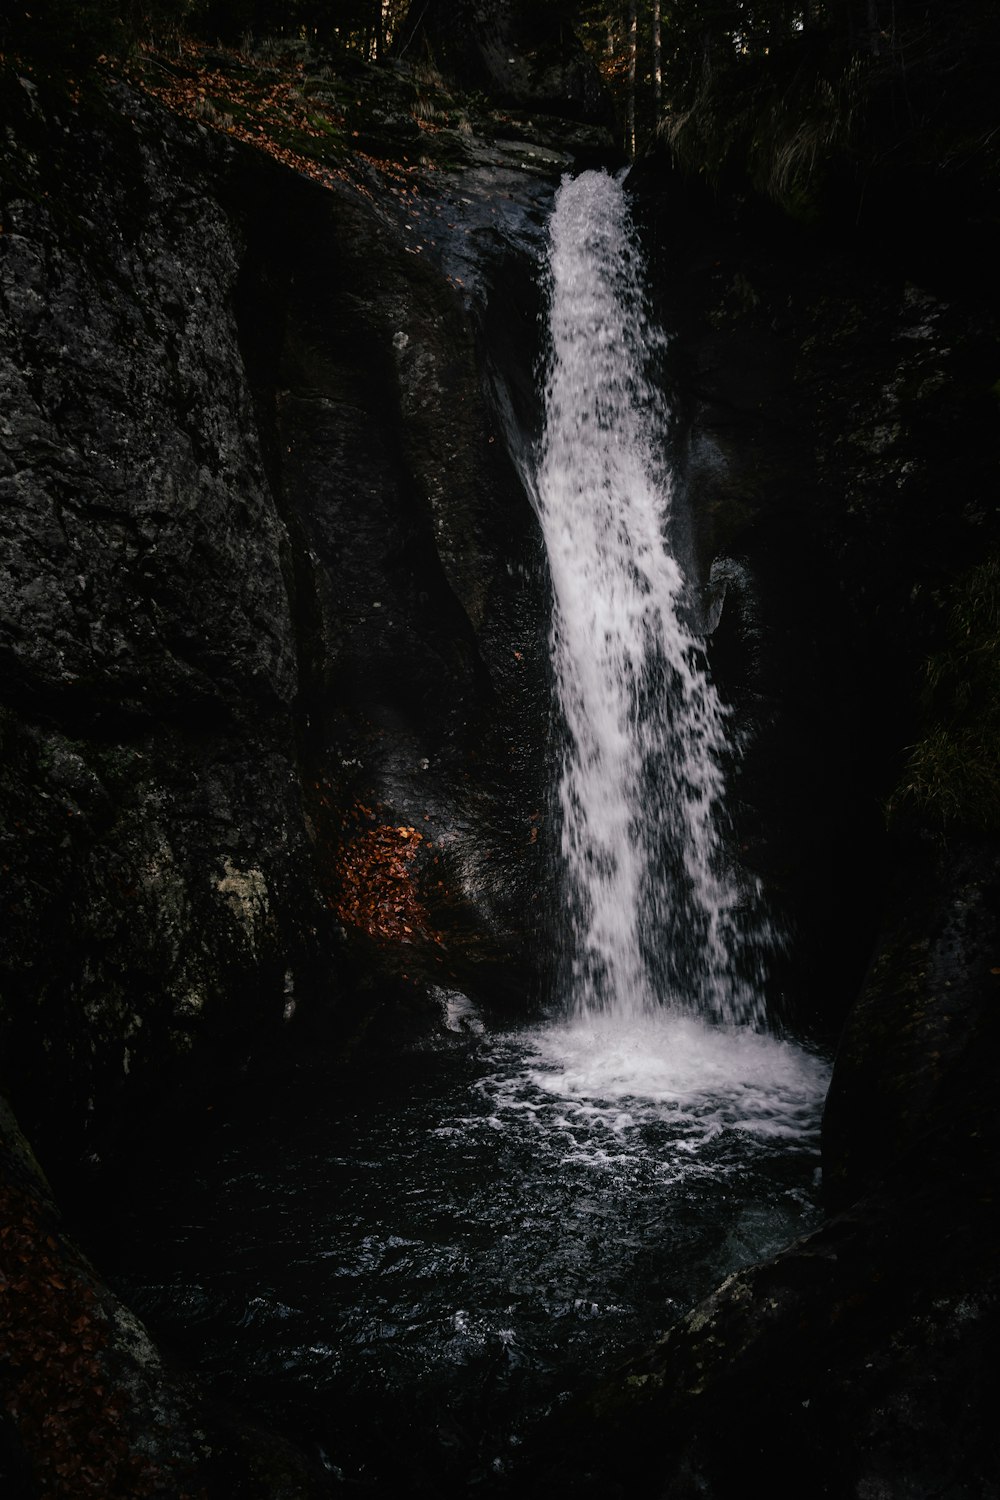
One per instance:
(268, 562)
(273, 660)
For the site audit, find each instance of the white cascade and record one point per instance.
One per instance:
(658, 919)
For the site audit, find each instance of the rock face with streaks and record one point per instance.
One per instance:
(267, 563)
(839, 447)
(154, 843)
(272, 628)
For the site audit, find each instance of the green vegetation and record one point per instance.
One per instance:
(952, 776)
(69, 35)
(789, 94)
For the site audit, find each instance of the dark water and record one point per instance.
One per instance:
(408, 1275)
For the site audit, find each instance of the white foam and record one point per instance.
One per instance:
(671, 1059)
(592, 1087)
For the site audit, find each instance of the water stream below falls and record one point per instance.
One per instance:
(408, 1280)
(408, 1276)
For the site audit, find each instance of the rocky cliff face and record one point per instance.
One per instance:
(272, 654)
(840, 455)
(268, 567)
(155, 851)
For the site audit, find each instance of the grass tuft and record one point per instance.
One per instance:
(952, 775)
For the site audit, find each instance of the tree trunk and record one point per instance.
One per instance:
(633, 49)
(378, 19)
(657, 63)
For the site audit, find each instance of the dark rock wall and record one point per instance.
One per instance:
(913, 1091)
(842, 450)
(422, 573)
(272, 676)
(267, 562)
(89, 1405)
(154, 855)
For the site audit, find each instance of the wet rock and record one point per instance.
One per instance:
(859, 1356)
(835, 433)
(271, 629)
(90, 1405)
(269, 561)
(148, 650)
(910, 1094)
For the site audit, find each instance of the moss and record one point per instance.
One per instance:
(59, 1384)
(778, 120)
(952, 775)
(824, 126)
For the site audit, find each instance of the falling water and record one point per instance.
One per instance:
(658, 918)
(410, 1271)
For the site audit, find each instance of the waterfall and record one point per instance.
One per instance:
(657, 918)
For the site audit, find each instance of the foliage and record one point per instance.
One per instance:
(270, 109)
(777, 89)
(68, 35)
(332, 124)
(378, 879)
(56, 1377)
(779, 123)
(953, 773)
(907, 86)
(782, 90)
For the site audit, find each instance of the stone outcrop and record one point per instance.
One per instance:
(860, 1356)
(839, 448)
(90, 1406)
(272, 624)
(268, 562)
(154, 842)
